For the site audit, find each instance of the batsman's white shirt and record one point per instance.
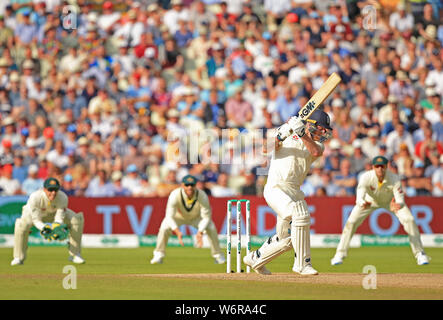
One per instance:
(39, 207)
(181, 208)
(379, 194)
(290, 165)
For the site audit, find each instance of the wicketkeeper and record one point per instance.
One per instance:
(188, 205)
(380, 188)
(47, 210)
(299, 145)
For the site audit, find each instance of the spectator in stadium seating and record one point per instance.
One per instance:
(287, 104)
(332, 189)
(421, 184)
(132, 179)
(434, 165)
(400, 20)
(8, 185)
(26, 32)
(32, 181)
(437, 180)
(238, 111)
(358, 158)
(221, 189)
(397, 137)
(107, 21)
(438, 128)
(428, 147)
(345, 179)
(117, 188)
(170, 183)
(99, 186)
(433, 109)
(68, 185)
(401, 87)
(20, 171)
(250, 187)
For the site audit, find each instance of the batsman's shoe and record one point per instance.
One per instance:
(219, 258)
(77, 259)
(337, 260)
(249, 260)
(16, 262)
(422, 259)
(158, 258)
(307, 270)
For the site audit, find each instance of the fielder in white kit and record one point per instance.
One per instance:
(188, 205)
(380, 188)
(45, 209)
(290, 164)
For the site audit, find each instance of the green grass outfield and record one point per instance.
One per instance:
(191, 274)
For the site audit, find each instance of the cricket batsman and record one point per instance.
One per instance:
(188, 205)
(380, 188)
(47, 210)
(299, 144)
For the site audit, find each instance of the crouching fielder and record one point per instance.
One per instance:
(380, 188)
(289, 167)
(188, 205)
(45, 206)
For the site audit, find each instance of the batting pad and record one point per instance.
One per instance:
(271, 249)
(301, 242)
(300, 235)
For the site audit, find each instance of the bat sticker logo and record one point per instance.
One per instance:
(309, 107)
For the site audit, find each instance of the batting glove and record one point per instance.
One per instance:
(297, 125)
(283, 132)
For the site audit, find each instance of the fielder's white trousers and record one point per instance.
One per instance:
(359, 214)
(74, 221)
(166, 230)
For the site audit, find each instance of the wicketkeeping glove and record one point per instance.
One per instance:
(59, 231)
(55, 231)
(46, 232)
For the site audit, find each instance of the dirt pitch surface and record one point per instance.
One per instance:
(387, 280)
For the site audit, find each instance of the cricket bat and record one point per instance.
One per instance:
(320, 96)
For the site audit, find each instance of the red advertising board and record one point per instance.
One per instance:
(143, 215)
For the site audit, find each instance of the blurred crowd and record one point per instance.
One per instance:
(100, 94)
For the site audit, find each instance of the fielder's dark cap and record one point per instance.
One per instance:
(189, 180)
(319, 117)
(379, 160)
(51, 184)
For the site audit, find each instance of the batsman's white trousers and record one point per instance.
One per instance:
(293, 225)
(359, 214)
(74, 221)
(166, 230)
